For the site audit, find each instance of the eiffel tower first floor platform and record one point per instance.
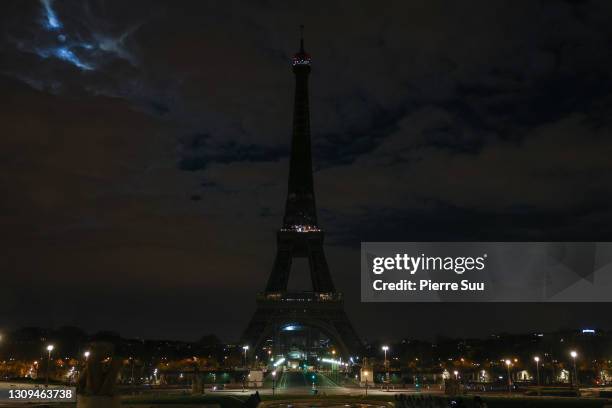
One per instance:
(285, 322)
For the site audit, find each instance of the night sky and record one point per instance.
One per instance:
(144, 152)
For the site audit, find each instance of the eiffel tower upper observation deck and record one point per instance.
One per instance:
(300, 237)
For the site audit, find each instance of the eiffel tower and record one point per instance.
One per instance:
(300, 237)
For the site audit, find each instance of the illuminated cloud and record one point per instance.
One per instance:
(52, 22)
(65, 54)
(116, 45)
(70, 37)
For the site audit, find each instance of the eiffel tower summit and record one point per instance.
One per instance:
(302, 325)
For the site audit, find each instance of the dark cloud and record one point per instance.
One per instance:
(145, 145)
(196, 151)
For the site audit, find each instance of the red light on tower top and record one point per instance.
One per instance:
(302, 57)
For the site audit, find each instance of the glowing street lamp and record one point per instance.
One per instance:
(537, 361)
(245, 348)
(86, 355)
(508, 364)
(385, 349)
(456, 374)
(574, 354)
(366, 373)
(50, 348)
(273, 381)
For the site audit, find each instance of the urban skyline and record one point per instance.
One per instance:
(554, 353)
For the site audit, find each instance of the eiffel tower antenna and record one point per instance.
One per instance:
(302, 38)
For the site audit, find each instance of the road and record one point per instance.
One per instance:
(304, 381)
(301, 382)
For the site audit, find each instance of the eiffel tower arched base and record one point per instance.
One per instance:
(322, 311)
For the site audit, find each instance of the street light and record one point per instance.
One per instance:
(86, 355)
(50, 348)
(537, 361)
(508, 364)
(574, 354)
(245, 348)
(385, 349)
(273, 381)
(365, 374)
(456, 374)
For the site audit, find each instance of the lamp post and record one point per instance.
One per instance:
(456, 374)
(273, 381)
(537, 361)
(508, 364)
(132, 370)
(574, 354)
(50, 348)
(245, 348)
(385, 349)
(86, 356)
